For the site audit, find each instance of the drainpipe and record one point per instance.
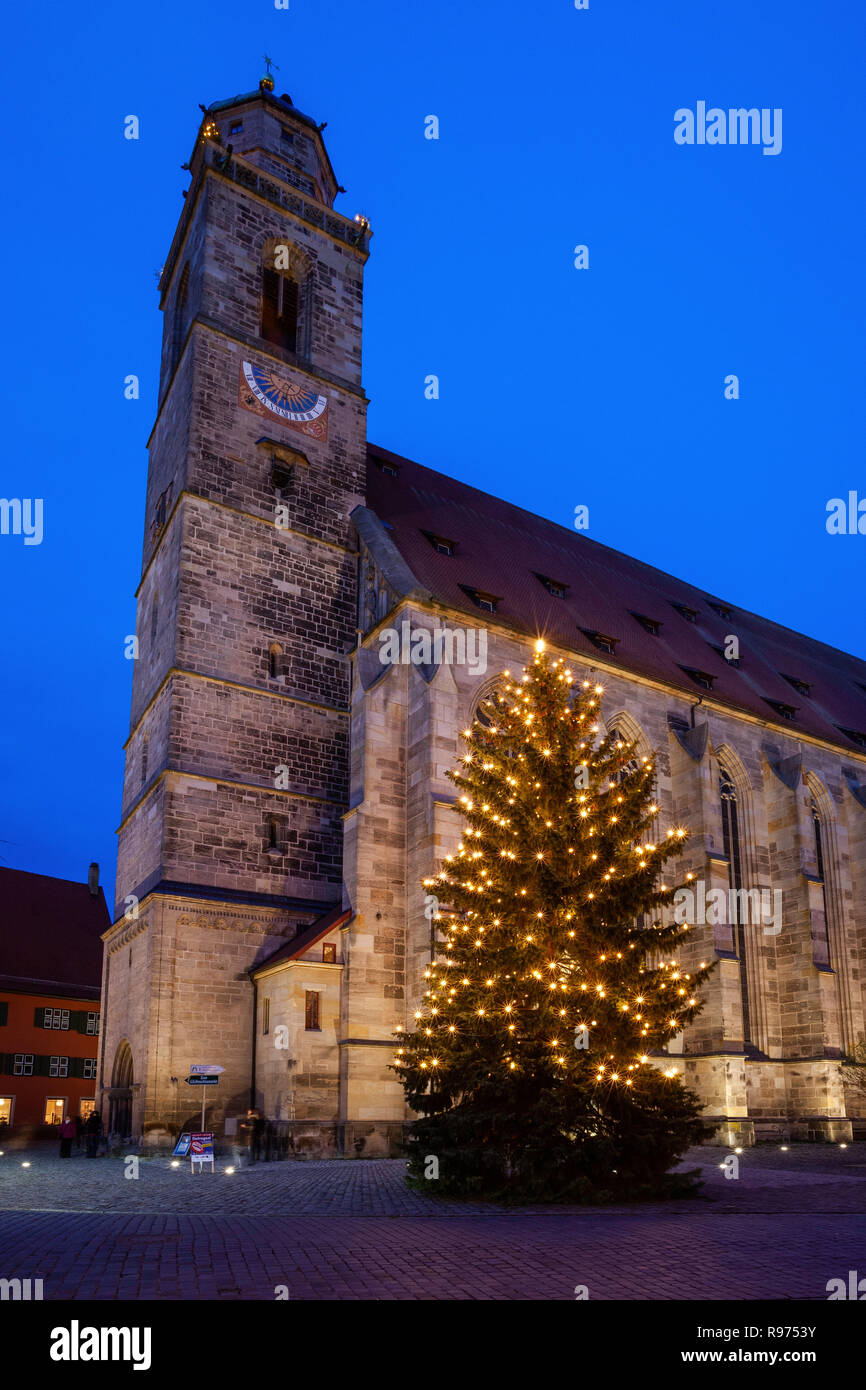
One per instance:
(255, 1021)
(699, 701)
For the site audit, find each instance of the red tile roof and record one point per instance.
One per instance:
(50, 935)
(501, 549)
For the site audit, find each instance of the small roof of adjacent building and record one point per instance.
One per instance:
(461, 545)
(50, 935)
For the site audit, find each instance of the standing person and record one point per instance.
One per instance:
(258, 1136)
(93, 1130)
(79, 1133)
(67, 1134)
(248, 1134)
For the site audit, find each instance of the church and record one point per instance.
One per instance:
(285, 792)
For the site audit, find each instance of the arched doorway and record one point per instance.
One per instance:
(120, 1096)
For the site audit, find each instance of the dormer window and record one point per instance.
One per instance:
(487, 602)
(600, 640)
(441, 544)
(801, 687)
(553, 586)
(701, 678)
(387, 468)
(785, 711)
(724, 610)
(729, 660)
(649, 625)
(855, 735)
(690, 614)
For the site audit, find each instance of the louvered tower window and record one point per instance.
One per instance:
(280, 309)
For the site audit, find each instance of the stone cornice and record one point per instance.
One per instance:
(238, 511)
(232, 684)
(177, 773)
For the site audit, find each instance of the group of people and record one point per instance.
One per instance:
(87, 1131)
(253, 1135)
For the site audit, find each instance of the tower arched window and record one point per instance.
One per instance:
(280, 308)
(273, 833)
(731, 838)
(275, 653)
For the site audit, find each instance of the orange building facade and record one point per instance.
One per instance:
(50, 975)
(50, 1047)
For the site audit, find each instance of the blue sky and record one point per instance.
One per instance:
(558, 387)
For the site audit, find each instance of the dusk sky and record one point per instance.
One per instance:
(559, 387)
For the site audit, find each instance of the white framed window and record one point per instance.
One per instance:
(56, 1018)
(89, 1073)
(58, 1066)
(93, 1023)
(23, 1064)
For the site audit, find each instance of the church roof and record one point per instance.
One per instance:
(294, 949)
(50, 935)
(512, 556)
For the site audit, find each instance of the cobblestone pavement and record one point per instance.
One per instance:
(352, 1230)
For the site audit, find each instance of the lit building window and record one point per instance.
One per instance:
(55, 1109)
(311, 1011)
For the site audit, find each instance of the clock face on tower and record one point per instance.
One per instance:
(265, 393)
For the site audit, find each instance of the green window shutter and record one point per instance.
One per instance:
(77, 1021)
(76, 1066)
(38, 1018)
(4, 1014)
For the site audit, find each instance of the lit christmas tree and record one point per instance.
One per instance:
(530, 1066)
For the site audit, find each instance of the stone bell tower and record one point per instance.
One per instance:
(237, 759)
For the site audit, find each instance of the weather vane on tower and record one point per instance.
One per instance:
(267, 82)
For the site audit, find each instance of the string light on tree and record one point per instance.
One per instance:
(553, 895)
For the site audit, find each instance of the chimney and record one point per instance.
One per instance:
(93, 880)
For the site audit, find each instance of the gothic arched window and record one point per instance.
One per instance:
(821, 858)
(731, 835)
(275, 652)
